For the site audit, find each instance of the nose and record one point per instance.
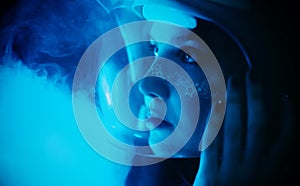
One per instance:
(154, 87)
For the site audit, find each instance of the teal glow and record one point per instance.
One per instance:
(39, 138)
(172, 15)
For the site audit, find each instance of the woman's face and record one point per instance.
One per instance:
(165, 84)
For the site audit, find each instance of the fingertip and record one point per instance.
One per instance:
(234, 81)
(287, 112)
(253, 86)
(235, 89)
(209, 162)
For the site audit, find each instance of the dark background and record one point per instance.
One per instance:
(279, 22)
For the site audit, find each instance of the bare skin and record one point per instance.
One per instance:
(254, 157)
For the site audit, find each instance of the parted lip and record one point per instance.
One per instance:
(156, 115)
(156, 123)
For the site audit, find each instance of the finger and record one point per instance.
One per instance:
(208, 169)
(256, 121)
(284, 149)
(233, 123)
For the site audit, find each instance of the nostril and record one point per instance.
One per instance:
(152, 95)
(154, 87)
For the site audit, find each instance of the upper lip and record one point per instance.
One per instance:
(158, 122)
(156, 118)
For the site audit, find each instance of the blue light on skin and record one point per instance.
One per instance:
(153, 48)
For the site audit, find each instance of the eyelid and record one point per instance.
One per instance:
(182, 54)
(185, 57)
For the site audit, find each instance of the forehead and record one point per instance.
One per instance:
(183, 37)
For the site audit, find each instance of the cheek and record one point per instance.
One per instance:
(173, 108)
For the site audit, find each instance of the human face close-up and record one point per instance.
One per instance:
(111, 92)
(156, 87)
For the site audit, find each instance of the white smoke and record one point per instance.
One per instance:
(39, 138)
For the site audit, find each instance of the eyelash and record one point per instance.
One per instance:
(185, 57)
(181, 54)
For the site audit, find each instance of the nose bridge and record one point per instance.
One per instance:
(153, 83)
(154, 87)
(142, 68)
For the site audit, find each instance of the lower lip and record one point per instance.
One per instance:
(156, 131)
(153, 123)
(161, 132)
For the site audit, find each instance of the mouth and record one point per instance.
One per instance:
(156, 127)
(155, 123)
(161, 130)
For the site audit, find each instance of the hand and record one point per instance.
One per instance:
(252, 148)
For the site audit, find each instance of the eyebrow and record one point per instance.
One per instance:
(183, 41)
(191, 43)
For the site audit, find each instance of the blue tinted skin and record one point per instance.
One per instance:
(244, 153)
(240, 154)
(41, 145)
(251, 154)
(151, 87)
(232, 158)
